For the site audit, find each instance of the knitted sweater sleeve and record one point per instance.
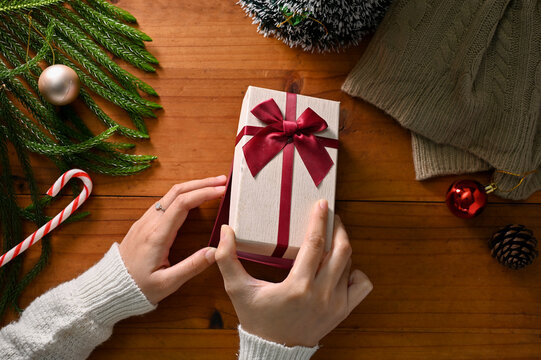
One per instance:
(253, 347)
(69, 321)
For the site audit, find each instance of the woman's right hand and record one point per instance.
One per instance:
(317, 295)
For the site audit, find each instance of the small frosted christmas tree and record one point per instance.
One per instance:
(316, 25)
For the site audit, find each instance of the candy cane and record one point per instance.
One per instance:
(58, 219)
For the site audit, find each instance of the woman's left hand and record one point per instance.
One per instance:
(145, 249)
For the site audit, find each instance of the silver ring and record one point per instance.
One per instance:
(159, 207)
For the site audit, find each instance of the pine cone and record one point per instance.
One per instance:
(513, 246)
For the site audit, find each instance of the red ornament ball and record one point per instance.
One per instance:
(466, 198)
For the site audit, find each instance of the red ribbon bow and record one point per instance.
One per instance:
(271, 139)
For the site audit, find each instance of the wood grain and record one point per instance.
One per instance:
(438, 294)
(341, 344)
(210, 53)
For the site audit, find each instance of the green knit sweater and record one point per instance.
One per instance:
(465, 77)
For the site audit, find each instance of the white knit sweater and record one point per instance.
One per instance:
(69, 321)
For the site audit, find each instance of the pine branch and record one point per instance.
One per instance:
(109, 166)
(49, 119)
(83, 45)
(87, 99)
(129, 104)
(123, 146)
(125, 164)
(119, 46)
(108, 23)
(112, 10)
(10, 73)
(21, 92)
(117, 170)
(83, 37)
(13, 5)
(10, 221)
(30, 216)
(65, 149)
(69, 115)
(100, 75)
(38, 209)
(37, 108)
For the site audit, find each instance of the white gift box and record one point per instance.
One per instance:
(255, 200)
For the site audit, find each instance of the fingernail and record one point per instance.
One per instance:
(221, 178)
(220, 188)
(209, 255)
(337, 219)
(223, 230)
(323, 204)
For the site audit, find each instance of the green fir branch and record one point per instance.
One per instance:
(7, 6)
(109, 23)
(11, 222)
(100, 75)
(66, 149)
(69, 115)
(83, 36)
(112, 10)
(13, 135)
(19, 70)
(119, 46)
(123, 146)
(87, 99)
(30, 216)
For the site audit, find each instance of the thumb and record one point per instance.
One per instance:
(226, 256)
(188, 268)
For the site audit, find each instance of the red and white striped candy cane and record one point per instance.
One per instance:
(58, 219)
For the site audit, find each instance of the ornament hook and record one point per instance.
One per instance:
(491, 188)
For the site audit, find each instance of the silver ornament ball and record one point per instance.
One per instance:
(59, 84)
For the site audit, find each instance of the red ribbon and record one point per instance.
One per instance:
(280, 132)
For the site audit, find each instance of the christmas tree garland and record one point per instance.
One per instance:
(82, 35)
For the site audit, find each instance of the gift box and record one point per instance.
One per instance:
(285, 161)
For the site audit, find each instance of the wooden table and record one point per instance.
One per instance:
(438, 294)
